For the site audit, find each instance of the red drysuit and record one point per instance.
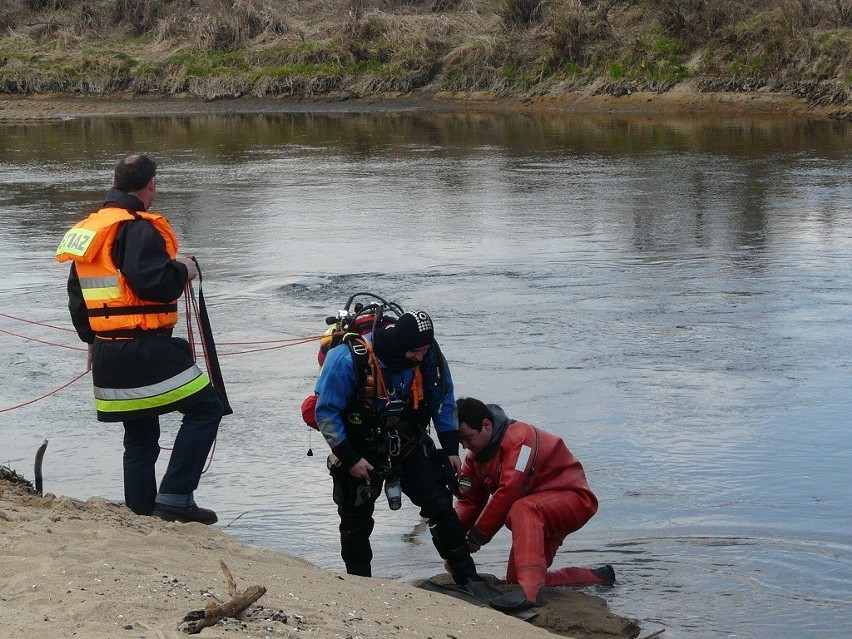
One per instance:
(538, 489)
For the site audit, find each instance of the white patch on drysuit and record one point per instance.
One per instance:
(523, 458)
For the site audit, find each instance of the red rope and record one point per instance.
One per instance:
(21, 319)
(190, 335)
(197, 316)
(55, 390)
(286, 340)
(41, 341)
(289, 340)
(302, 340)
(191, 311)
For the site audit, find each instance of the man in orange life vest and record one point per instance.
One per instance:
(518, 475)
(123, 288)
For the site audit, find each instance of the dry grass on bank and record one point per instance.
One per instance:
(358, 48)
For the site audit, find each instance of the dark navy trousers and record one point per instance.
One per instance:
(423, 482)
(192, 445)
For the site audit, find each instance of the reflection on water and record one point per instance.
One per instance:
(670, 296)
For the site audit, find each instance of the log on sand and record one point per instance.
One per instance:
(196, 620)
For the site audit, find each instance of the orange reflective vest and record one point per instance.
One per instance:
(111, 303)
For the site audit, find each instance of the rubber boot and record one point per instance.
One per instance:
(449, 541)
(571, 576)
(462, 567)
(532, 579)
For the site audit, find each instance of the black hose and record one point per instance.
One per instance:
(39, 482)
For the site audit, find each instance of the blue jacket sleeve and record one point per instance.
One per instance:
(443, 408)
(336, 385)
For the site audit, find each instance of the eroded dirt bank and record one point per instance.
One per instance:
(683, 100)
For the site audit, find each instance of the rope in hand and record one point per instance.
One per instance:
(190, 312)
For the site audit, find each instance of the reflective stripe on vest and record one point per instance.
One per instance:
(181, 386)
(100, 288)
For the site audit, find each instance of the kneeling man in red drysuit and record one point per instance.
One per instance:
(521, 476)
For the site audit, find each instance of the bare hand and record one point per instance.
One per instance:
(361, 470)
(191, 268)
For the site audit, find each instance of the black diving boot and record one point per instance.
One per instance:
(465, 575)
(449, 541)
(461, 564)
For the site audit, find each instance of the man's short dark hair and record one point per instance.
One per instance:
(134, 172)
(471, 411)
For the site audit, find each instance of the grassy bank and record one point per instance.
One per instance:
(361, 48)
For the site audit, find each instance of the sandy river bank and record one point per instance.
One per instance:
(94, 569)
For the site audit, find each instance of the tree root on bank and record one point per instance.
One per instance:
(10, 476)
(196, 620)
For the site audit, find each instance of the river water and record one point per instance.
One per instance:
(671, 296)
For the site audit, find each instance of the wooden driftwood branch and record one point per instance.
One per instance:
(196, 620)
(232, 586)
